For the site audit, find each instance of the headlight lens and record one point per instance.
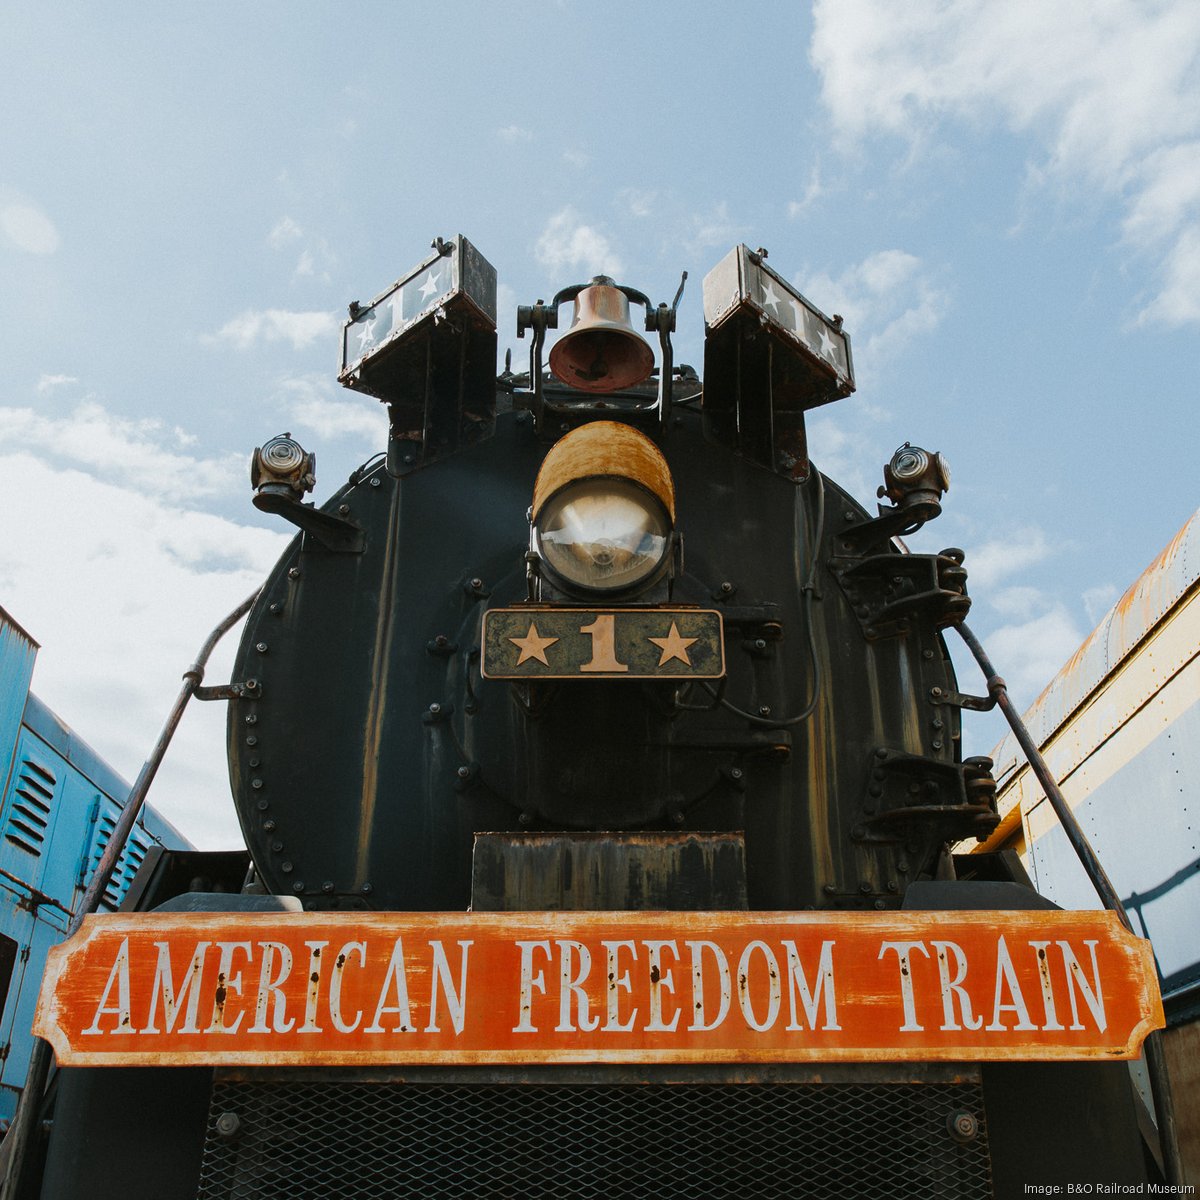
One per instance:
(603, 534)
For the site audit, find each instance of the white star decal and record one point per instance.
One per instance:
(366, 335)
(770, 295)
(828, 347)
(430, 287)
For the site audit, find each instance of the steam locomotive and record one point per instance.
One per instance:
(587, 650)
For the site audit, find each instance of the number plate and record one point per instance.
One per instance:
(584, 643)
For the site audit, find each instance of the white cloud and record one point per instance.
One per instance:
(812, 192)
(275, 325)
(576, 158)
(304, 264)
(47, 383)
(120, 606)
(716, 228)
(514, 133)
(1106, 92)
(639, 202)
(887, 300)
(1098, 600)
(567, 245)
(1029, 655)
(140, 455)
(310, 405)
(284, 232)
(28, 228)
(993, 561)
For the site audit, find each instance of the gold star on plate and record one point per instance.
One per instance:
(673, 646)
(533, 645)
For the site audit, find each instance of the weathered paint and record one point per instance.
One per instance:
(605, 448)
(598, 987)
(1120, 730)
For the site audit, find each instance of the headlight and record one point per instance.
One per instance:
(603, 510)
(603, 534)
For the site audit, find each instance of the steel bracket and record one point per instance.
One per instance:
(332, 532)
(908, 793)
(893, 593)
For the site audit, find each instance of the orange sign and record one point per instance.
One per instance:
(596, 987)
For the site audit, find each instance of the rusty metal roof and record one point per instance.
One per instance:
(1165, 582)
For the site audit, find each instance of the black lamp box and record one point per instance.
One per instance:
(427, 347)
(769, 356)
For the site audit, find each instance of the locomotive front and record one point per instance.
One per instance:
(600, 599)
(599, 762)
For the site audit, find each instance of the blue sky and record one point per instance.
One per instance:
(1002, 200)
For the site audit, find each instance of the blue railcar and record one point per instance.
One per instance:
(60, 804)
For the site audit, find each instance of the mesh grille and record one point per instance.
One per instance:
(320, 1141)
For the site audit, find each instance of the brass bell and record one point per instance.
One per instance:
(601, 352)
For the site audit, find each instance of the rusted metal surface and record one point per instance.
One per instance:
(1172, 576)
(601, 352)
(605, 448)
(619, 987)
(596, 871)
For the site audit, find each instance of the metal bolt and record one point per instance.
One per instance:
(269, 826)
(727, 587)
(261, 647)
(858, 832)
(902, 867)
(849, 516)
(275, 609)
(477, 583)
(735, 772)
(829, 889)
(760, 644)
(927, 654)
(254, 762)
(367, 889)
(343, 509)
(937, 745)
(277, 846)
(375, 481)
(256, 783)
(892, 886)
(327, 886)
(963, 1126)
(764, 710)
(251, 740)
(865, 888)
(252, 719)
(286, 868)
(935, 692)
(408, 460)
(434, 709)
(938, 723)
(263, 806)
(525, 818)
(227, 1126)
(464, 772)
(676, 817)
(294, 573)
(880, 904)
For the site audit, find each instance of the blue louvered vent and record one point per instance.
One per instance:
(33, 797)
(127, 865)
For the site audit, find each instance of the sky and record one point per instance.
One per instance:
(1002, 200)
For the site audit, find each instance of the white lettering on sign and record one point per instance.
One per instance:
(1009, 1006)
(528, 987)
